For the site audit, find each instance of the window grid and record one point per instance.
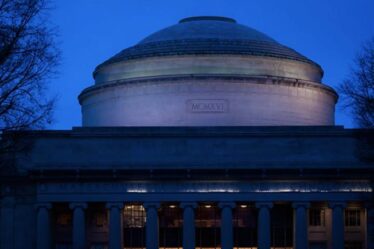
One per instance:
(134, 226)
(317, 217)
(170, 226)
(352, 217)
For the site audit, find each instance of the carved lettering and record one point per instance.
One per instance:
(207, 105)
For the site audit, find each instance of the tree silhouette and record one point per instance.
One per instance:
(358, 89)
(28, 58)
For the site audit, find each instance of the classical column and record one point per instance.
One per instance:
(370, 225)
(188, 224)
(115, 225)
(263, 227)
(301, 225)
(226, 225)
(151, 226)
(43, 228)
(79, 225)
(337, 224)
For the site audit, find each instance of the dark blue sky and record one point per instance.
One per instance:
(329, 32)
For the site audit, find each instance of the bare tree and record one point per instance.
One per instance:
(28, 58)
(358, 89)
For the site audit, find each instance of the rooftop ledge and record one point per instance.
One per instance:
(198, 131)
(207, 18)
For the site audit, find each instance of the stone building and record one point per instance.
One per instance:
(206, 134)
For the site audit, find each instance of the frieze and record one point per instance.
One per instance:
(205, 187)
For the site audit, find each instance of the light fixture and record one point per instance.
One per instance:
(208, 206)
(172, 206)
(243, 206)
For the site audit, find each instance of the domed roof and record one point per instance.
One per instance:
(207, 35)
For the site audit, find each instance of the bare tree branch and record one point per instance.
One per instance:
(358, 89)
(28, 59)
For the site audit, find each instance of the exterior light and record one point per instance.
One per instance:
(208, 206)
(243, 206)
(172, 206)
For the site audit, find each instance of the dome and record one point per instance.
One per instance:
(207, 35)
(208, 71)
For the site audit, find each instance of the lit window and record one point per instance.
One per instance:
(352, 217)
(134, 219)
(134, 216)
(317, 217)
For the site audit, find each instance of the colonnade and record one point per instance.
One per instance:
(116, 220)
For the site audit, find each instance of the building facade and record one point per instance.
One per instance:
(206, 134)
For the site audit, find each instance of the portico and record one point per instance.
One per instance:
(140, 216)
(226, 223)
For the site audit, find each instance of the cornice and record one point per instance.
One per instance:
(176, 79)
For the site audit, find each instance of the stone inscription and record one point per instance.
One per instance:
(207, 105)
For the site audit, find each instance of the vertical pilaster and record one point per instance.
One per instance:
(7, 223)
(79, 225)
(115, 225)
(43, 226)
(263, 229)
(188, 224)
(151, 228)
(337, 224)
(301, 225)
(369, 226)
(227, 241)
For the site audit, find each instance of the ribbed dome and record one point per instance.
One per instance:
(207, 35)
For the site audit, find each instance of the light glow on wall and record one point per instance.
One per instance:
(272, 190)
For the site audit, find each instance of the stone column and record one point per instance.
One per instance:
(115, 225)
(188, 224)
(43, 226)
(151, 228)
(263, 227)
(337, 224)
(370, 225)
(301, 225)
(7, 222)
(226, 225)
(79, 225)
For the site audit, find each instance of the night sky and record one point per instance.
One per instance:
(330, 32)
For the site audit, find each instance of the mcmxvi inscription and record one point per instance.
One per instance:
(207, 105)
